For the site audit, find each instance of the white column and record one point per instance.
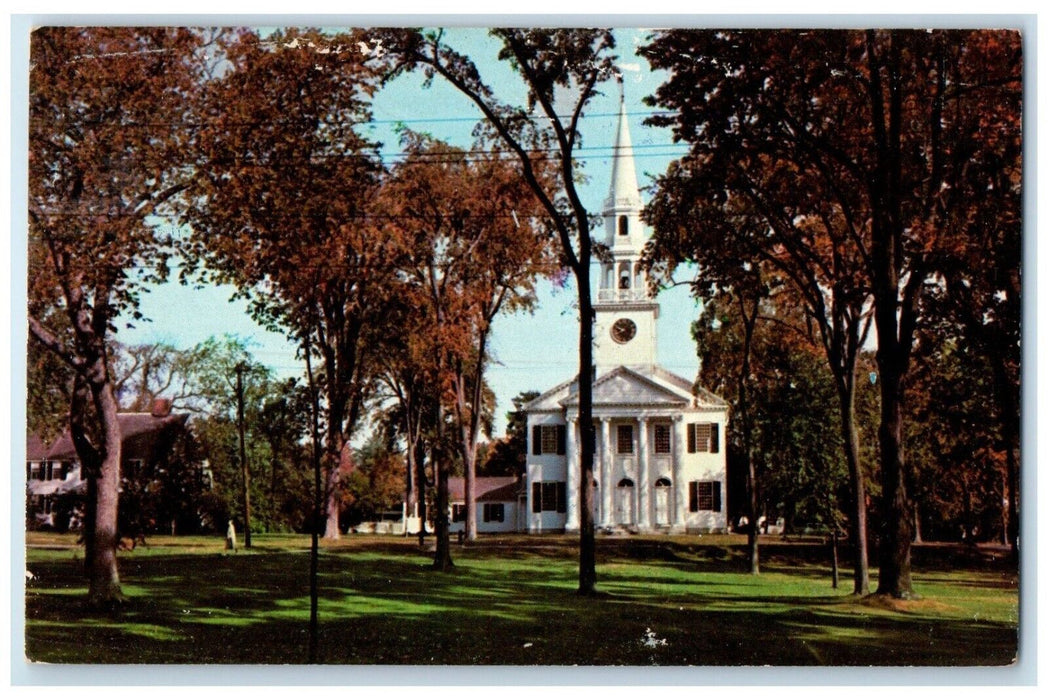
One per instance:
(644, 487)
(572, 449)
(606, 487)
(680, 487)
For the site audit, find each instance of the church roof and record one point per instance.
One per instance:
(623, 386)
(649, 385)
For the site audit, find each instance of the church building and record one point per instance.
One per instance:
(659, 463)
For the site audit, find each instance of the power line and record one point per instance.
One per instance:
(354, 122)
(473, 156)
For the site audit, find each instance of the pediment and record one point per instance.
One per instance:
(625, 387)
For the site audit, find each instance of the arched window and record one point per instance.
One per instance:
(662, 482)
(626, 484)
(624, 225)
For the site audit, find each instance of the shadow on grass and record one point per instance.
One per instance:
(384, 605)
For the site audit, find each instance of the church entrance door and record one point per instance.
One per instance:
(624, 503)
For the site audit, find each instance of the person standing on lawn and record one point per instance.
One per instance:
(231, 537)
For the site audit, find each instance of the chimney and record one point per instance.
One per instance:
(161, 408)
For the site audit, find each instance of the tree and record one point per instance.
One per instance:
(729, 233)
(280, 209)
(958, 477)
(875, 151)
(740, 290)
(49, 384)
(560, 71)
(108, 109)
(146, 372)
(508, 457)
(404, 370)
(756, 352)
(470, 247)
(376, 484)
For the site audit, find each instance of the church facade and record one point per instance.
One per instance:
(659, 463)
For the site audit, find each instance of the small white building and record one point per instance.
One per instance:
(659, 463)
(500, 504)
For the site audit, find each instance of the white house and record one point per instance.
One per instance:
(659, 462)
(500, 504)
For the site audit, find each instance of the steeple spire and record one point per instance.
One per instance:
(624, 193)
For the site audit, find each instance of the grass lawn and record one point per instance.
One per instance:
(664, 601)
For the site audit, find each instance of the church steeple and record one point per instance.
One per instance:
(623, 195)
(624, 333)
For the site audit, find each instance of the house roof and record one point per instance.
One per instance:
(35, 448)
(488, 488)
(141, 434)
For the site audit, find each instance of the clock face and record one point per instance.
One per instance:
(623, 330)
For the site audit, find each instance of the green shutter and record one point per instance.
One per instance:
(561, 438)
(562, 497)
(536, 497)
(536, 440)
(715, 439)
(693, 496)
(691, 438)
(716, 495)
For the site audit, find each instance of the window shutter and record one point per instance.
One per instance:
(500, 513)
(716, 494)
(536, 440)
(561, 438)
(693, 496)
(536, 497)
(714, 437)
(691, 438)
(562, 497)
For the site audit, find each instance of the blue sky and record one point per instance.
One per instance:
(530, 351)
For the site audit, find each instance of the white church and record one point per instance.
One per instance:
(660, 462)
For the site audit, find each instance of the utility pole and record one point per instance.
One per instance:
(240, 369)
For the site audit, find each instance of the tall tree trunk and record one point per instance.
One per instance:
(587, 531)
(334, 501)
(335, 446)
(104, 579)
(470, 465)
(410, 496)
(442, 559)
(245, 472)
(918, 538)
(468, 422)
(897, 534)
(833, 540)
(420, 480)
(895, 321)
(90, 462)
(749, 321)
(314, 530)
(1008, 411)
(850, 437)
